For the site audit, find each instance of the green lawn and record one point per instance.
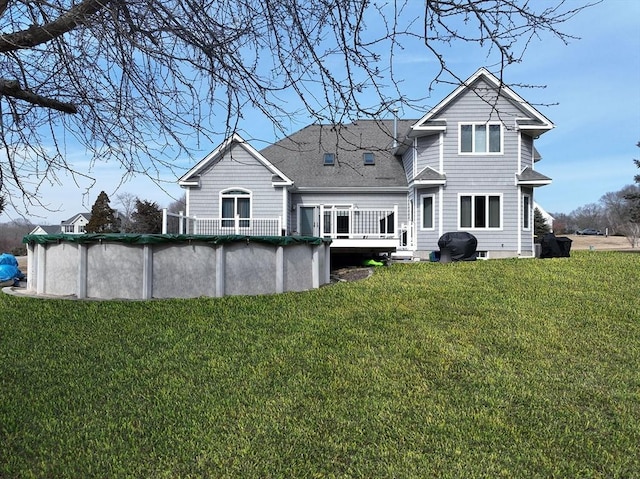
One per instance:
(505, 368)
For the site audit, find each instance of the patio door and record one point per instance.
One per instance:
(308, 217)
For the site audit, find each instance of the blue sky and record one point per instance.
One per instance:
(593, 84)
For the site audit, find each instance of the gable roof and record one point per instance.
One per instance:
(76, 217)
(301, 156)
(429, 176)
(191, 177)
(46, 230)
(534, 122)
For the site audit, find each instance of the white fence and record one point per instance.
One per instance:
(180, 224)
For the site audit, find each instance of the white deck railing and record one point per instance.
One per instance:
(180, 224)
(344, 223)
(359, 223)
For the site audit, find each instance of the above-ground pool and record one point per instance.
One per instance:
(130, 266)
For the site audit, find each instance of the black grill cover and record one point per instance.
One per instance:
(457, 246)
(555, 247)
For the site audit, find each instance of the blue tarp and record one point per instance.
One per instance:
(9, 269)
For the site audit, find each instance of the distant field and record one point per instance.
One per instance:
(619, 243)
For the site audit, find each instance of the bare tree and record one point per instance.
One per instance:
(591, 215)
(139, 83)
(178, 205)
(11, 235)
(127, 205)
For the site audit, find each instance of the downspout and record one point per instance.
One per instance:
(285, 212)
(519, 220)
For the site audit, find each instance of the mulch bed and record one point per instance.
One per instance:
(350, 274)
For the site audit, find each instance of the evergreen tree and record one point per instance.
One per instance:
(540, 226)
(147, 218)
(103, 217)
(634, 198)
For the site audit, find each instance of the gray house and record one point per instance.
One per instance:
(469, 164)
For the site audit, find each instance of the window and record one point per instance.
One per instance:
(369, 159)
(329, 159)
(236, 203)
(481, 138)
(427, 212)
(526, 212)
(480, 211)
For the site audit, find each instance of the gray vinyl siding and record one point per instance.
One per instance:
(361, 200)
(526, 156)
(237, 169)
(481, 174)
(428, 153)
(407, 163)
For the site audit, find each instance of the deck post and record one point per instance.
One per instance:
(164, 221)
(395, 222)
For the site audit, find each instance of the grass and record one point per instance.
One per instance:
(505, 368)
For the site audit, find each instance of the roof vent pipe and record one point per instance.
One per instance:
(395, 128)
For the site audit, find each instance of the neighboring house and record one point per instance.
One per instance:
(46, 230)
(74, 225)
(382, 185)
(548, 219)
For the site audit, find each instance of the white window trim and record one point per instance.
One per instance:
(433, 212)
(473, 139)
(223, 194)
(486, 228)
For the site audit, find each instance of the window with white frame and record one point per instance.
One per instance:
(480, 211)
(427, 212)
(480, 138)
(235, 203)
(526, 212)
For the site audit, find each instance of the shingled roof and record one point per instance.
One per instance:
(301, 155)
(531, 177)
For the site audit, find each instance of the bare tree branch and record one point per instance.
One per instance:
(12, 88)
(140, 83)
(36, 35)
